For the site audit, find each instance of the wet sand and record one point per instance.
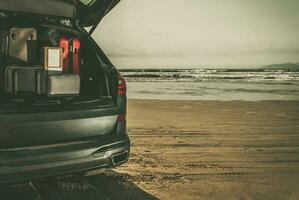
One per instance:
(214, 150)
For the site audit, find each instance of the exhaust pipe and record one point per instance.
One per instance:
(120, 158)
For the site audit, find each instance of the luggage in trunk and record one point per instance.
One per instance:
(75, 47)
(25, 80)
(22, 44)
(71, 56)
(61, 85)
(53, 62)
(36, 81)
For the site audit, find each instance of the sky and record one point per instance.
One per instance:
(200, 33)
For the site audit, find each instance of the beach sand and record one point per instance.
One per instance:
(214, 150)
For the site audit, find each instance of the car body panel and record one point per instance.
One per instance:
(28, 129)
(38, 145)
(65, 158)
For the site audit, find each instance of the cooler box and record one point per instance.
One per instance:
(62, 85)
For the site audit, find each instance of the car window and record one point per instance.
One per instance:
(87, 2)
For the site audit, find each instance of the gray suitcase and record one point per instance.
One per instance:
(25, 80)
(62, 85)
(21, 43)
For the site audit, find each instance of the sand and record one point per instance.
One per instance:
(214, 150)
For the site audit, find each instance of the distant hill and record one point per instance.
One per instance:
(285, 66)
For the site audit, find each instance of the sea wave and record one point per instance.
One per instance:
(209, 75)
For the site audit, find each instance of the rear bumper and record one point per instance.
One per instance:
(61, 159)
(50, 127)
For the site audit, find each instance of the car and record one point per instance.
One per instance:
(63, 104)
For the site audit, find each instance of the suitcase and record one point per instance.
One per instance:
(25, 80)
(71, 55)
(18, 41)
(62, 85)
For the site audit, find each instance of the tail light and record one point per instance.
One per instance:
(122, 105)
(121, 118)
(121, 86)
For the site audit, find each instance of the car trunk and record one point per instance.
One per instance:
(72, 15)
(29, 117)
(19, 90)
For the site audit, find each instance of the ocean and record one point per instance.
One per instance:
(212, 84)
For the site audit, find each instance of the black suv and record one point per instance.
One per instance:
(62, 102)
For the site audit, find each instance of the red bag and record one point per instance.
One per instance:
(76, 57)
(64, 44)
(71, 55)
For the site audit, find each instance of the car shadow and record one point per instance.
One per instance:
(97, 184)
